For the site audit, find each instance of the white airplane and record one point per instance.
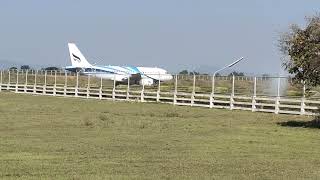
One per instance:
(137, 75)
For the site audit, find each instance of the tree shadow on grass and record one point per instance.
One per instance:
(305, 124)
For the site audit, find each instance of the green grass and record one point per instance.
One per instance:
(65, 138)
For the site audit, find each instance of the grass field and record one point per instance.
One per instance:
(65, 138)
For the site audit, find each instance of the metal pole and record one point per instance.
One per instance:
(175, 90)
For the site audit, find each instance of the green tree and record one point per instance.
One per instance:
(25, 67)
(301, 49)
(185, 72)
(235, 73)
(13, 68)
(52, 68)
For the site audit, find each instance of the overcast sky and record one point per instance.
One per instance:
(173, 34)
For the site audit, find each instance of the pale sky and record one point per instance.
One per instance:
(173, 34)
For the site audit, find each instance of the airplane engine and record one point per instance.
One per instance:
(146, 82)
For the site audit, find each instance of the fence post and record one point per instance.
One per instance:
(158, 91)
(303, 99)
(0, 80)
(44, 88)
(9, 75)
(142, 93)
(17, 82)
(26, 83)
(100, 90)
(88, 87)
(114, 88)
(277, 103)
(77, 86)
(128, 88)
(55, 83)
(65, 83)
(175, 91)
(212, 92)
(193, 89)
(254, 95)
(35, 82)
(232, 94)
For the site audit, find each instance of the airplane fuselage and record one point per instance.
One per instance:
(121, 74)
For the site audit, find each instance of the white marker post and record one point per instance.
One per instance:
(114, 88)
(159, 89)
(88, 87)
(77, 85)
(277, 103)
(0, 80)
(9, 80)
(55, 83)
(254, 95)
(44, 89)
(128, 88)
(26, 83)
(65, 83)
(35, 83)
(100, 90)
(193, 89)
(232, 94)
(175, 90)
(303, 99)
(17, 81)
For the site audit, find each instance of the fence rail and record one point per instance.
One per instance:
(235, 93)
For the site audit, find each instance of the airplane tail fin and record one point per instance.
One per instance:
(77, 58)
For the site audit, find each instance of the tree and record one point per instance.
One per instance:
(13, 69)
(184, 72)
(301, 50)
(235, 73)
(25, 67)
(52, 68)
(194, 73)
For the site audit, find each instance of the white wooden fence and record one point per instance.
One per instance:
(254, 103)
